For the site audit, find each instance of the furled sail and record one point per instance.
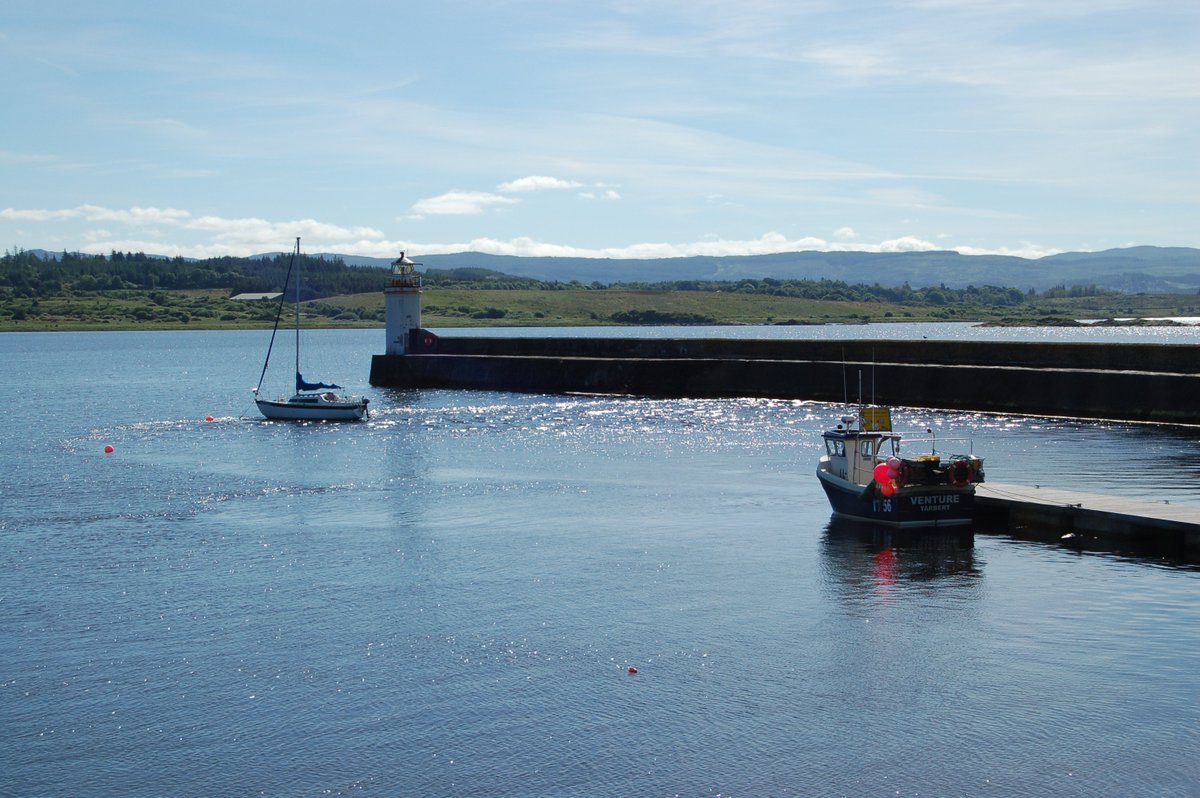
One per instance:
(301, 385)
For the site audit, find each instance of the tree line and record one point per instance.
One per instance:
(27, 274)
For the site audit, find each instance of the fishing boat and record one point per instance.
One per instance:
(312, 401)
(866, 476)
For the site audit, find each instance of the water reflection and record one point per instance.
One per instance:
(934, 331)
(865, 557)
(1175, 551)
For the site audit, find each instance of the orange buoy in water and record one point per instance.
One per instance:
(109, 449)
(632, 669)
(208, 418)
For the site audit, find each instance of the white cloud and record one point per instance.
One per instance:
(904, 244)
(608, 194)
(261, 232)
(135, 216)
(536, 183)
(768, 243)
(35, 215)
(1026, 250)
(96, 213)
(524, 246)
(243, 236)
(230, 236)
(459, 203)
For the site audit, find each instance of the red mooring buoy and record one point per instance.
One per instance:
(632, 669)
(108, 449)
(208, 418)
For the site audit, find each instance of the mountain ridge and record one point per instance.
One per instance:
(1130, 270)
(1137, 269)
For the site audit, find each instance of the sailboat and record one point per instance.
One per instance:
(312, 401)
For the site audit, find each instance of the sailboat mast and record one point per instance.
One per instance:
(299, 272)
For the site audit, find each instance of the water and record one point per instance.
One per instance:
(934, 331)
(446, 600)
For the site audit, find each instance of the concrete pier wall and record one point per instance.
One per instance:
(1134, 382)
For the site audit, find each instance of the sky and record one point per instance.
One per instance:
(599, 128)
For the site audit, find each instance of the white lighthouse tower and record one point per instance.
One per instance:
(402, 305)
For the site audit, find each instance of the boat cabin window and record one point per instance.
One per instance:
(836, 447)
(867, 447)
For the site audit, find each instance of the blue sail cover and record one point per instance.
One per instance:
(301, 385)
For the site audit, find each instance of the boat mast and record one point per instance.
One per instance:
(299, 272)
(278, 316)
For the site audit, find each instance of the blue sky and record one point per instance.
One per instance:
(605, 128)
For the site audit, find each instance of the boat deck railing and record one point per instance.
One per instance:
(933, 444)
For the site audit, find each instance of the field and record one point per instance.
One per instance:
(462, 307)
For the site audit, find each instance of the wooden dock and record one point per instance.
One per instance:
(1136, 524)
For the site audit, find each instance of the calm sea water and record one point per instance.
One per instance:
(1188, 334)
(446, 600)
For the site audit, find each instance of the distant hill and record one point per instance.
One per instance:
(1130, 270)
(1140, 269)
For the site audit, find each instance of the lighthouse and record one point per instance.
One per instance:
(402, 305)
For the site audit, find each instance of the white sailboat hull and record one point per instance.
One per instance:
(313, 407)
(312, 401)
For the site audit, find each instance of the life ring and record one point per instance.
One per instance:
(428, 341)
(959, 473)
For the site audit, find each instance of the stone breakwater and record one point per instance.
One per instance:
(1126, 382)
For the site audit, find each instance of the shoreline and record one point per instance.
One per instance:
(984, 323)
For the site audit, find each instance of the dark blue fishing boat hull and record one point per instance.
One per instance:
(914, 507)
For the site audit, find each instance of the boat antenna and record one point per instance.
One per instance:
(872, 375)
(278, 313)
(845, 390)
